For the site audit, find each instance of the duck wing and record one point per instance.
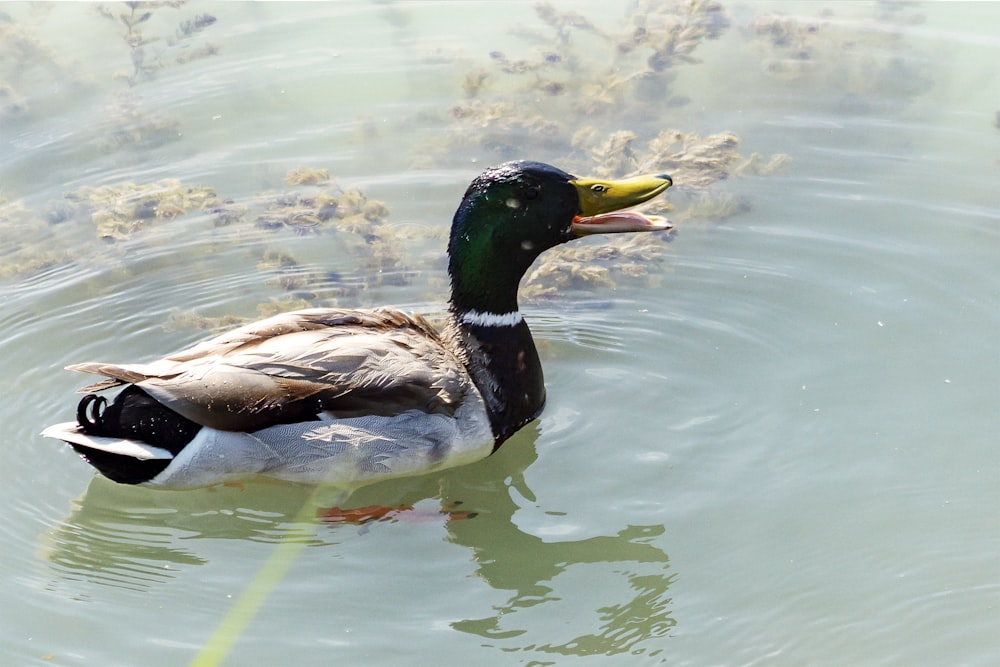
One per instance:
(293, 366)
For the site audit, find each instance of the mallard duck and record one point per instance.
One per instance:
(347, 397)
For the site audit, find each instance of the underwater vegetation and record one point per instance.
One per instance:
(150, 53)
(595, 96)
(153, 44)
(310, 204)
(29, 247)
(575, 70)
(596, 99)
(825, 53)
(26, 59)
(693, 161)
(119, 211)
(317, 204)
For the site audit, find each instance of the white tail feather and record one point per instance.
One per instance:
(70, 432)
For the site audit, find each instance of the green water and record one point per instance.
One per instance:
(768, 441)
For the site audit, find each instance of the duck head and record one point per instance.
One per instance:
(513, 212)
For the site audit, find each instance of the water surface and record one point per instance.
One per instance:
(770, 438)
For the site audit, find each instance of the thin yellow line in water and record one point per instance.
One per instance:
(243, 611)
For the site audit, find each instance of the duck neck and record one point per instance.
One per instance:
(500, 356)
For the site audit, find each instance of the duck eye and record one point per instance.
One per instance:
(531, 193)
(597, 187)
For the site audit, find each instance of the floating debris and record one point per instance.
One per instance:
(758, 165)
(288, 274)
(316, 205)
(24, 261)
(118, 212)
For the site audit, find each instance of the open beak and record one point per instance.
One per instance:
(601, 202)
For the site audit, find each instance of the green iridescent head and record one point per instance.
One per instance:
(513, 212)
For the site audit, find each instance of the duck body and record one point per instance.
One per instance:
(311, 396)
(350, 397)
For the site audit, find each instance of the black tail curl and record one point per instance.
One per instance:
(133, 415)
(88, 414)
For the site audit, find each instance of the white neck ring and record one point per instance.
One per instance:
(487, 319)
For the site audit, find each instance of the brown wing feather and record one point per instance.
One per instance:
(293, 365)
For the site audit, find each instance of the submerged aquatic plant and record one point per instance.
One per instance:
(28, 247)
(672, 32)
(314, 204)
(827, 55)
(590, 266)
(595, 98)
(119, 211)
(360, 222)
(532, 99)
(28, 62)
(150, 51)
(577, 70)
(133, 126)
(588, 69)
(694, 162)
(119, 214)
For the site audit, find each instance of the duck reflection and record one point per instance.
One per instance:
(614, 585)
(132, 537)
(602, 595)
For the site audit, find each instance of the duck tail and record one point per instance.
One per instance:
(130, 440)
